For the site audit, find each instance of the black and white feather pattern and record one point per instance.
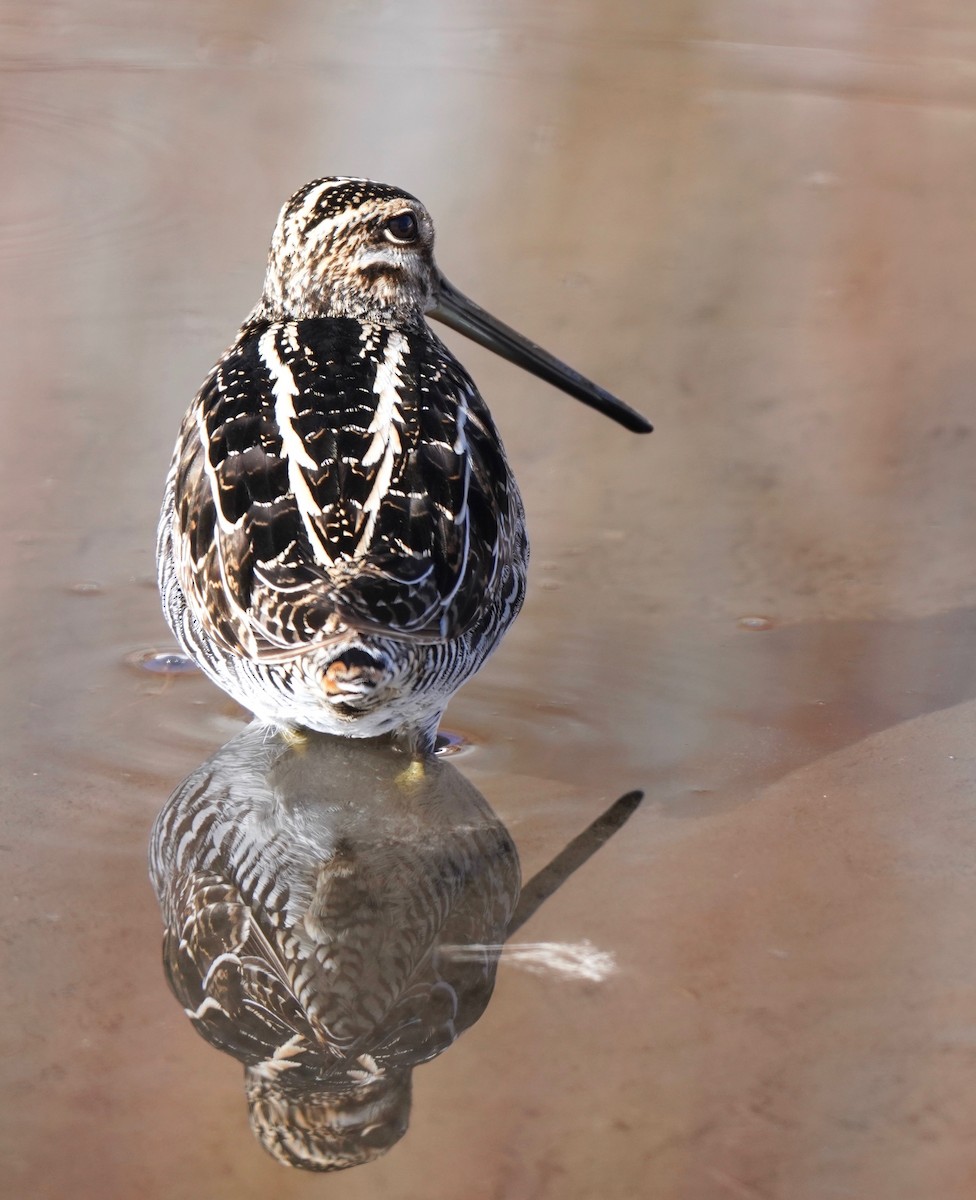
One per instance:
(340, 483)
(330, 468)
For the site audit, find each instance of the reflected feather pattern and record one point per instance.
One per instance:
(306, 892)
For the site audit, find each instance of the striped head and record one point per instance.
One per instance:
(351, 248)
(316, 1127)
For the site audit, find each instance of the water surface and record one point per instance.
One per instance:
(754, 223)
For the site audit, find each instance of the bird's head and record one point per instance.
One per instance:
(351, 248)
(318, 1127)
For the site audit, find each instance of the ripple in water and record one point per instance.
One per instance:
(450, 743)
(162, 662)
(756, 624)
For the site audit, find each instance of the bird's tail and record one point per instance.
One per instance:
(357, 676)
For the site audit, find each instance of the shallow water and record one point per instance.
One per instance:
(754, 223)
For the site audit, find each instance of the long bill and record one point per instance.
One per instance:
(458, 312)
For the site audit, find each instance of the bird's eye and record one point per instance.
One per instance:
(402, 228)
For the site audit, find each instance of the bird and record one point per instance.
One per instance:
(342, 541)
(332, 919)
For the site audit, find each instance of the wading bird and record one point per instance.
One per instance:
(342, 542)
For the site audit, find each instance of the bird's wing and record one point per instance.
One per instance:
(232, 982)
(334, 471)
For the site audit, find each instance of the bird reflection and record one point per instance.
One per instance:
(334, 913)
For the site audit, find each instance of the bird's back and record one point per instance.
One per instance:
(331, 471)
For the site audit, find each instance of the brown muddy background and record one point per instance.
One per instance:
(756, 222)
